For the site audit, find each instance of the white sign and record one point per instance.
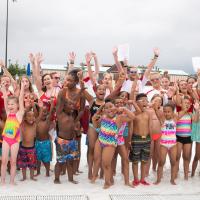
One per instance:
(196, 63)
(123, 52)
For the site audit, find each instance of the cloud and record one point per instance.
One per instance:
(56, 27)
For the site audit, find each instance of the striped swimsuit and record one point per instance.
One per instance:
(168, 134)
(11, 132)
(184, 126)
(108, 132)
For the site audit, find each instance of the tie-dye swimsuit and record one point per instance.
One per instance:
(11, 132)
(108, 132)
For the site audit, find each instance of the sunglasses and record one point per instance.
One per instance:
(155, 79)
(132, 72)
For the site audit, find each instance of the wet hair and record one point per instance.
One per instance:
(14, 98)
(170, 105)
(44, 88)
(141, 95)
(30, 84)
(74, 73)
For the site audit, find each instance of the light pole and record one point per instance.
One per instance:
(6, 49)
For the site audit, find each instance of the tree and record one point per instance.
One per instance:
(16, 69)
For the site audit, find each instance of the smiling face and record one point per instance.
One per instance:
(30, 117)
(119, 103)
(142, 103)
(168, 112)
(12, 105)
(190, 82)
(70, 82)
(101, 91)
(132, 73)
(165, 83)
(183, 86)
(47, 81)
(107, 78)
(124, 96)
(110, 110)
(55, 79)
(186, 103)
(157, 100)
(155, 80)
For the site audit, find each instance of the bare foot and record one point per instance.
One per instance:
(106, 186)
(156, 183)
(33, 179)
(74, 182)
(93, 179)
(57, 181)
(37, 174)
(13, 183)
(90, 176)
(80, 172)
(23, 179)
(129, 184)
(173, 182)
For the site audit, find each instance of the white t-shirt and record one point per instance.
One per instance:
(127, 85)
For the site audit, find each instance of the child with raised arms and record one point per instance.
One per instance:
(11, 134)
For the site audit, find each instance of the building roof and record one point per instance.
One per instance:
(63, 67)
(174, 72)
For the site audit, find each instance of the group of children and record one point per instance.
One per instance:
(138, 127)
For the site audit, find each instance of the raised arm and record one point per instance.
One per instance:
(115, 56)
(71, 60)
(36, 66)
(152, 63)
(96, 65)
(7, 73)
(20, 113)
(88, 58)
(5, 97)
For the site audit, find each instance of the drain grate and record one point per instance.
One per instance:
(46, 197)
(155, 197)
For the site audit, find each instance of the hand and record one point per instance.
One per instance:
(196, 106)
(88, 58)
(115, 51)
(71, 57)
(32, 58)
(156, 52)
(2, 63)
(170, 92)
(40, 103)
(130, 102)
(93, 54)
(39, 58)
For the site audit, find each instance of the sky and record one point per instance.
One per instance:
(56, 27)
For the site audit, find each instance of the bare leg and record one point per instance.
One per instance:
(32, 175)
(64, 169)
(5, 153)
(151, 156)
(14, 151)
(38, 167)
(162, 159)
(47, 167)
(58, 168)
(143, 173)
(70, 171)
(92, 137)
(196, 158)
(172, 156)
(135, 173)
(107, 156)
(155, 154)
(125, 162)
(178, 156)
(187, 150)
(114, 163)
(97, 160)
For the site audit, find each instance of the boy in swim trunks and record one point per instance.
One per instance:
(141, 140)
(43, 142)
(27, 153)
(66, 145)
